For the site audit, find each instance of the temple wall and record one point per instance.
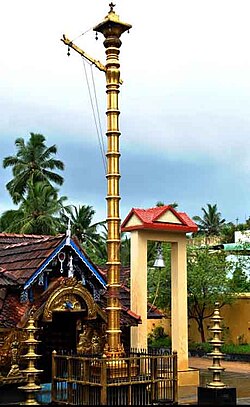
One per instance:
(235, 323)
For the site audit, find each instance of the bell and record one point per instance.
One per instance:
(159, 262)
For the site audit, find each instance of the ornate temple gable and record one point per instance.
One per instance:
(87, 262)
(24, 258)
(66, 243)
(71, 296)
(33, 262)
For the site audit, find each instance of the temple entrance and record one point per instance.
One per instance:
(61, 335)
(62, 319)
(70, 323)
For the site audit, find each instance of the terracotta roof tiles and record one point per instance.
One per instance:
(12, 310)
(151, 219)
(22, 255)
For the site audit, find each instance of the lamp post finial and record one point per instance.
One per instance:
(111, 5)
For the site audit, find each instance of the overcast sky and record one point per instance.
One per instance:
(184, 102)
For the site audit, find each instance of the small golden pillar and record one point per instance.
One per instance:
(31, 371)
(216, 354)
(112, 28)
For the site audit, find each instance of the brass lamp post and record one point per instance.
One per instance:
(112, 28)
(216, 354)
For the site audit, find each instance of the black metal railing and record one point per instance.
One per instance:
(142, 378)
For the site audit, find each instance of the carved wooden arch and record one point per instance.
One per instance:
(70, 292)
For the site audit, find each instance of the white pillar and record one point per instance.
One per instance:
(179, 317)
(138, 288)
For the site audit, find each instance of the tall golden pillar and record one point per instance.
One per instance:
(112, 28)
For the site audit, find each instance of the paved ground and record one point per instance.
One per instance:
(236, 374)
(205, 362)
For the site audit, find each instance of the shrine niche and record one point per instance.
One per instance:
(71, 296)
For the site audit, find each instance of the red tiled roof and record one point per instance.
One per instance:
(12, 310)
(3, 292)
(150, 219)
(22, 255)
(13, 238)
(6, 278)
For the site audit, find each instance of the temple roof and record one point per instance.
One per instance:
(162, 218)
(24, 257)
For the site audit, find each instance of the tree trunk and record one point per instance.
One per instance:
(201, 330)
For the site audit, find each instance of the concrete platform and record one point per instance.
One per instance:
(236, 374)
(190, 377)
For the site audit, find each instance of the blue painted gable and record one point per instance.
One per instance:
(77, 250)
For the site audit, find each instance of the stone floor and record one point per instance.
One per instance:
(236, 374)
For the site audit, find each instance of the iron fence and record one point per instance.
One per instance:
(138, 379)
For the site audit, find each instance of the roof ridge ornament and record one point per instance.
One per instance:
(68, 233)
(71, 267)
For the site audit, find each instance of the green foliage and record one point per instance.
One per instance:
(39, 212)
(211, 223)
(203, 347)
(158, 338)
(32, 188)
(81, 218)
(236, 349)
(173, 204)
(32, 163)
(158, 332)
(227, 232)
(208, 283)
(227, 348)
(98, 251)
(159, 280)
(240, 281)
(125, 250)
(240, 264)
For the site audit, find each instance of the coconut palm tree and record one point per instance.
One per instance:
(32, 162)
(100, 253)
(81, 218)
(211, 223)
(39, 212)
